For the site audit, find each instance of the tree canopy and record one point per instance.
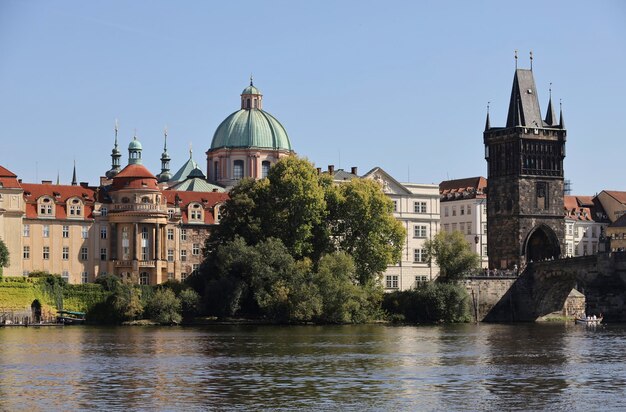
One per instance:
(453, 255)
(4, 255)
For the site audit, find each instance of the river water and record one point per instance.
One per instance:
(549, 366)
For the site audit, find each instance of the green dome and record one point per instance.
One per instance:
(251, 128)
(134, 145)
(251, 90)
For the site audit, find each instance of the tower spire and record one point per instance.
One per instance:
(165, 174)
(515, 59)
(531, 60)
(550, 117)
(74, 182)
(115, 156)
(487, 124)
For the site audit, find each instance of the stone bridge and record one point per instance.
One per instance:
(543, 287)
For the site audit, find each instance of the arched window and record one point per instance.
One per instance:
(248, 103)
(238, 169)
(265, 168)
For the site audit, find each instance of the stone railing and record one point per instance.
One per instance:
(137, 207)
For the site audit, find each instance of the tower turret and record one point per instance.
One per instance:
(134, 152)
(165, 174)
(115, 158)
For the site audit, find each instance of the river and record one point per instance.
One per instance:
(551, 366)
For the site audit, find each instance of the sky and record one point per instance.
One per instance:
(402, 85)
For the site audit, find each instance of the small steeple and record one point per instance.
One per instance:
(134, 151)
(487, 124)
(115, 157)
(561, 121)
(74, 182)
(550, 117)
(165, 174)
(251, 97)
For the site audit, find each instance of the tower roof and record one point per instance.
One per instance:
(524, 105)
(185, 170)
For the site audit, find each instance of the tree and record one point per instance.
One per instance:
(365, 228)
(164, 307)
(4, 256)
(453, 255)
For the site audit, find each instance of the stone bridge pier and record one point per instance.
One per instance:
(543, 287)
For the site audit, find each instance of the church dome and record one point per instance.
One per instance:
(134, 144)
(251, 126)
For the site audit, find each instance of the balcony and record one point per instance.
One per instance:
(138, 207)
(140, 263)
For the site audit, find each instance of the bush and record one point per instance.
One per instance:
(164, 307)
(190, 303)
(432, 302)
(108, 282)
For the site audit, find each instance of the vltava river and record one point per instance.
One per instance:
(370, 367)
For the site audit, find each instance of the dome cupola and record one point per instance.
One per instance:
(134, 152)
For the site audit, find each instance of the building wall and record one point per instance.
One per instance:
(11, 212)
(468, 216)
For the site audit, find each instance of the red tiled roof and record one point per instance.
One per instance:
(468, 188)
(134, 176)
(207, 199)
(60, 194)
(583, 208)
(619, 196)
(8, 178)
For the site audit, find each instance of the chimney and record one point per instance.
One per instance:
(331, 169)
(354, 170)
(319, 170)
(84, 184)
(46, 182)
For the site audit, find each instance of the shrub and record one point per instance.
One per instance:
(164, 307)
(190, 303)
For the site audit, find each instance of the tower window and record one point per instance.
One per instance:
(238, 169)
(247, 103)
(216, 170)
(265, 169)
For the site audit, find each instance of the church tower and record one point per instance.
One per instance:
(525, 180)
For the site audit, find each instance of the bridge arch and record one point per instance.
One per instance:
(541, 243)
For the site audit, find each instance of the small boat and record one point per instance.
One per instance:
(590, 321)
(67, 317)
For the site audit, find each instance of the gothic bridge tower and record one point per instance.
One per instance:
(525, 180)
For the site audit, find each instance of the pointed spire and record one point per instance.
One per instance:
(74, 182)
(116, 129)
(58, 177)
(251, 82)
(561, 121)
(190, 150)
(531, 60)
(165, 139)
(550, 117)
(165, 174)
(515, 59)
(487, 124)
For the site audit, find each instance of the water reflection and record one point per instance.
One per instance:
(373, 367)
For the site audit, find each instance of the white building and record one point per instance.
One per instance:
(464, 209)
(584, 221)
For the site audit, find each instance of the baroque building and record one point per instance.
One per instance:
(525, 173)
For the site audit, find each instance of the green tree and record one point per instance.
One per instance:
(164, 307)
(190, 303)
(363, 224)
(431, 302)
(452, 254)
(4, 256)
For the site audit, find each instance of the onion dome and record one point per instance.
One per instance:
(251, 126)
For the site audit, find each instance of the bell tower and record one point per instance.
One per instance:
(525, 180)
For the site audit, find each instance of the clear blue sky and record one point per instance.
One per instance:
(398, 84)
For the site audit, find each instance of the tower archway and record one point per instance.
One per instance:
(541, 244)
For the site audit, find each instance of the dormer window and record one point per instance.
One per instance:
(46, 207)
(195, 212)
(75, 208)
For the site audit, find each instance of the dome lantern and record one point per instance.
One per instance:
(251, 97)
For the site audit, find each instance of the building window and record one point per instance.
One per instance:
(216, 170)
(468, 225)
(183, 234)
(196, 212)
(26, 231)
(391, 281)
(144, 278)
(103, 211)
(195, 267)
(183, 275)
(265, 169)
(462, 227)
(419, 255)
(170, 214)
(66, 231)
(45, 207)
(419, 231)
(462, 210)
(170, 275)
(170, 234)
(170, 255)
(65, 275)
(84, 277)
(584, 249)
(454, 227)
(76, 208)
(83, 253)
(103, 253)
(144, 252)
(183, 255)
(570, 229)
(66, 252)
(26, 252)
(103, 232)
(46, 231)
(84, 232)
(238, 169)
(469, 209)
(125, 244)
(421, 279)
(453, 210)
(46, 252)
(445, 211)
(195, 250)
(484, 228)
(395, 205)
(446, 227)
(419, 207)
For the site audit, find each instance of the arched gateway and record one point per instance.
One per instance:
(541, 244)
